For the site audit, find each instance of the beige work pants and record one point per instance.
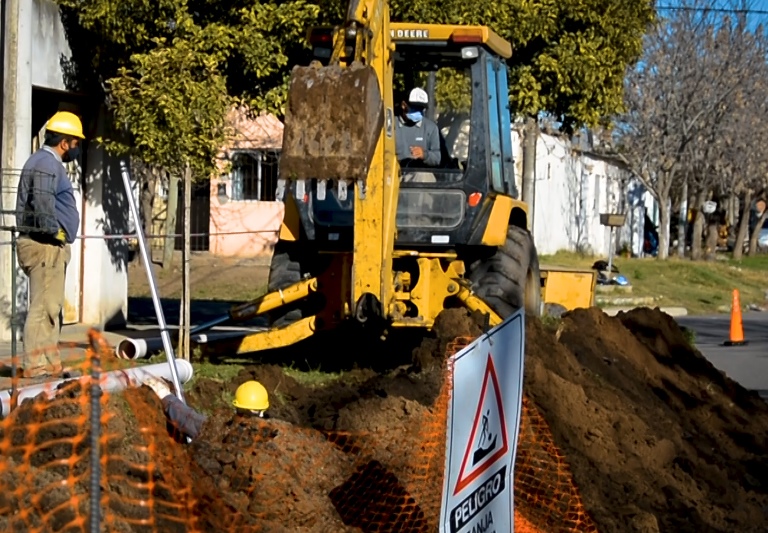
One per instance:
(45, 265)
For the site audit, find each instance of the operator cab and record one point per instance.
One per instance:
(462, 69)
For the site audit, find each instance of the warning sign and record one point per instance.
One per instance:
(488, 440)
(483, 423)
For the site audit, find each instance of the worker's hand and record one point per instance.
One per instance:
(417, 152)
(158, 386)
(61, 236)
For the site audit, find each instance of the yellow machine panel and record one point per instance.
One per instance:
(495, 233)
(570, 287)
(289, 229)
(410, 31)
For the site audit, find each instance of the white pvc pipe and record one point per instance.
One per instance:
(116, 380)
(145, 348)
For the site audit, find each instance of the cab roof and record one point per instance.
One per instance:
(411, 33)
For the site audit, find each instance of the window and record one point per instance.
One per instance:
(254, 175)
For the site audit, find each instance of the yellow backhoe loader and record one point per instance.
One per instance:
(361, 242)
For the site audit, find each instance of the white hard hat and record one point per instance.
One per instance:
(418, 96)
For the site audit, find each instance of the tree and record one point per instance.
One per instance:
(171, 69)
(680, 99)
(569, 56)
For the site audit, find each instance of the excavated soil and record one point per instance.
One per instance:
(655, 438)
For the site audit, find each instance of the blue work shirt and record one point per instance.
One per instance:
(45, 201)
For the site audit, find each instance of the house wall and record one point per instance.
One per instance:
(35, 58)
(246, 228)
(572, 190)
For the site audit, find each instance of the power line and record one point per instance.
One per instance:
(714, 10)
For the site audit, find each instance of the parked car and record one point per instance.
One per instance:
(762, 240)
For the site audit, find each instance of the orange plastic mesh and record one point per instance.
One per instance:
(247, 474)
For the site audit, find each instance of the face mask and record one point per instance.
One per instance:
(72, 154)
(414, 116)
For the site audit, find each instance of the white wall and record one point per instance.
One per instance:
(49, 45)
(572, 190)
(105, 212)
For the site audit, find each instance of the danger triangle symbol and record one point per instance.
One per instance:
(488, 440)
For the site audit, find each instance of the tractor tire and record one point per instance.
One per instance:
(284, 271)
(509, 279)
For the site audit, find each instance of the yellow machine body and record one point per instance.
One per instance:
(339, 128)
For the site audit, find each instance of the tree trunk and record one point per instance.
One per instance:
(682, 222)
(756, 233)
(741, 233)
(713, 234)
(170, 221)
(146, 202)
(184, 319)
(664, 209)
(698, 226)
(530, 138)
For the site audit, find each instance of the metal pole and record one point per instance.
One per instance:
(610, 256)
(164, 333)
(95, 488)
(210, 324)
(14, 318)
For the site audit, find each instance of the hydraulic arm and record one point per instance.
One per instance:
(339, 131)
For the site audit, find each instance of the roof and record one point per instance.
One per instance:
(264, 132)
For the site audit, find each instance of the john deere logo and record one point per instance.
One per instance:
(410, 34)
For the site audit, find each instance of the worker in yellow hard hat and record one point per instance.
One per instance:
(251, 399)
(47, 221)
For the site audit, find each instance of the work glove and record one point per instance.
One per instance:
(158, 386)
(61, 236)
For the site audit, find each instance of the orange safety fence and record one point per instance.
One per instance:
(378, 469)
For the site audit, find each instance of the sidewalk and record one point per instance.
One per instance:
(73, 337)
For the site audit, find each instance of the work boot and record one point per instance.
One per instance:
(33, 373)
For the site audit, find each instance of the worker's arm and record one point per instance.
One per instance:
(432, 155)
(183, 417)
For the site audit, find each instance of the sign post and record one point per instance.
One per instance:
(483, 424)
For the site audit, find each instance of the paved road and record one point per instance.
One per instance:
(746, 364)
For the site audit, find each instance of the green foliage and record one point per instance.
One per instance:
(170, 67)
(569, 56)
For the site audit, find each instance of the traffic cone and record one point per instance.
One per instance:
(737, 327)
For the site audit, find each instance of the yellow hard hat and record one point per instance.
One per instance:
(65, 123)
(251, 395)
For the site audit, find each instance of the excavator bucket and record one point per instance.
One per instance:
(333, 120)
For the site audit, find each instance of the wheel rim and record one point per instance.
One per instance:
(532, 294)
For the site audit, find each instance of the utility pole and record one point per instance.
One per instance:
(15, 143)
(184, 322)
(170, 220)
(530, 138)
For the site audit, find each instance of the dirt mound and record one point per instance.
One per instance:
(657, 438)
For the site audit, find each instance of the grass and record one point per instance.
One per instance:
(701, 287)
(314, 377)
(211, 278)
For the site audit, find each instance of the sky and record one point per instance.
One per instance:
(755, 17)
